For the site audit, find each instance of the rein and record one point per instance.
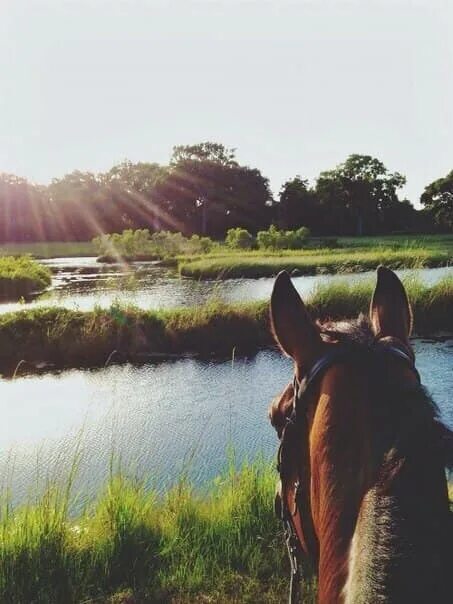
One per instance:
(295, 430)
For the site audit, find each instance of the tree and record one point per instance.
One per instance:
(206, 191)
(207, 151)
(356, 195)
(131, 188)
(25, 213)
(76, 198)
(298, 206)
(438, 201)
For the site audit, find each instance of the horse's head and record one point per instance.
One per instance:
(356, 429)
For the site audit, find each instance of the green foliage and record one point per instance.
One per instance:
(438, 200)
(207, 151)
(360, 196)
(141, 245)
(21, 276)
(276, 239)
(239, 238)
(298, 205)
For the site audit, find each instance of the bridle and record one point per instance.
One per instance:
(295, 432)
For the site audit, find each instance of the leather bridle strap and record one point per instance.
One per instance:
(297, 426)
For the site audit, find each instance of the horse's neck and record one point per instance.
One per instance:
(399, 550)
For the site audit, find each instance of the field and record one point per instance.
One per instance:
(68, 338)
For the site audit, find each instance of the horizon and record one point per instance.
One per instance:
(92, 84)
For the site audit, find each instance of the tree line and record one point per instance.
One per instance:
(204, 190)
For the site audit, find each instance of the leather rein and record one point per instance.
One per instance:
(294, 432)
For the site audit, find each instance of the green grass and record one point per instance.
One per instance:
(22, 276)
(68, 338)
(308, 262)
(219, 544)
(51, 249)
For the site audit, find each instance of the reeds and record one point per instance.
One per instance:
(221, 543)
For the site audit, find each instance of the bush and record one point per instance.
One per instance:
(275, 239)
(140, 244)
(239, 238)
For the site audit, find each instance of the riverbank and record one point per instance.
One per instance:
(22, 276)
(220, 544)
(57, 337)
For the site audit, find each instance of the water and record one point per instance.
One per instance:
(160, 420)
(82, 283)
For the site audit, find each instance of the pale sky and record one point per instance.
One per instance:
(295, 86)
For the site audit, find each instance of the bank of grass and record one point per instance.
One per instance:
(219, 544)
(22, 276)
(307, 262)
(68, 338)
(49, 249)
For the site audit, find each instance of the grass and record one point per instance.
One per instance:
(50, 249)
(68, 338)
(255, 264)
(221, 544)
(22, 276)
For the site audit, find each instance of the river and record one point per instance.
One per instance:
(159, 421)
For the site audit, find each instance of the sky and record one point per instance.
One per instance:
(294, 86)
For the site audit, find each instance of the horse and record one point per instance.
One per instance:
(363, 491)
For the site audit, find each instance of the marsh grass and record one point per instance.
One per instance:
(221, 543)
(22, 276)
(67, 338)
(308, 262)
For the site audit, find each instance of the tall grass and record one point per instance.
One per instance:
(219, 544)
(22, 276)
(309, 263)
(68, 338)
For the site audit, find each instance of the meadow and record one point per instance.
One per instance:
(67, 338)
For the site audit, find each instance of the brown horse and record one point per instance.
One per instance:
(363, 453)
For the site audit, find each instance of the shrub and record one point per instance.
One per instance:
(140, 244)
(239, 238)
(276, 239)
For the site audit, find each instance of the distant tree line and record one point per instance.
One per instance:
(205, 191)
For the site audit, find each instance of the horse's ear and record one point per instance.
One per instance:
(292, 326)
(390, 312)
